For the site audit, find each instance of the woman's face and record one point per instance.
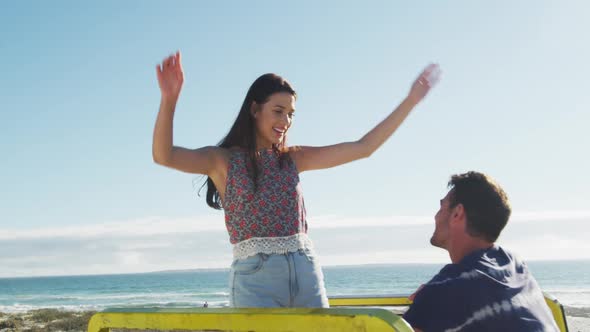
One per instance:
(273, 119)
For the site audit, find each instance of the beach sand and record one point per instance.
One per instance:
(42, 320)
(578, 319)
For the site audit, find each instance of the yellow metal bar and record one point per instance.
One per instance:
(260, 320)
(402, 300)
(369, 301)
(557, 311)
(333, 319)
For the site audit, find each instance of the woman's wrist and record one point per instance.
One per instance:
(168, 101)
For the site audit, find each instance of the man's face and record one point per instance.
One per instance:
(441, 226)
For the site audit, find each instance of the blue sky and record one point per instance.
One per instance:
(78, 98)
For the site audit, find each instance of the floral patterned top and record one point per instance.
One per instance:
(275, 210)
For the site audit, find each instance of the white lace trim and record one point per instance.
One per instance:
(271, 245)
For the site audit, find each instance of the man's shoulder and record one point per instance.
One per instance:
(493, 257)
(471, 273)
(451, 272)
(453, 279)
(476, 292)
(450, 282)
(440, 302)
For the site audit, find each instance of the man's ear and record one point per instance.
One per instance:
(459, 210)
(458, 213)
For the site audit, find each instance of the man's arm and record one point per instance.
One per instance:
(428, 308)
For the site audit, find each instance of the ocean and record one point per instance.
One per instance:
(568, 281)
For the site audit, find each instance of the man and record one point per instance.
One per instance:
(486, 288)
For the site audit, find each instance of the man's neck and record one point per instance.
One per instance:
(460, 249)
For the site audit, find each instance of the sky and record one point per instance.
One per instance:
(79, 97)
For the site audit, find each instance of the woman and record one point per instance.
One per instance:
(254, 176)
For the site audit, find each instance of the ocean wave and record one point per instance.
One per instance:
(153, 296)
(21, 308)
(129, 296)
(571, 297)
(568, 291)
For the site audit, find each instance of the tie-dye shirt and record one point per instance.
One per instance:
(489, 290)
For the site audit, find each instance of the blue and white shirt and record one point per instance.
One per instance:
(488, 290)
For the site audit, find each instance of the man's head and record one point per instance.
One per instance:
(478, 202)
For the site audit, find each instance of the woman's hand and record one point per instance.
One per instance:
(422, 85)
(170, 77)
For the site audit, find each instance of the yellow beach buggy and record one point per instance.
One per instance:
(346, 314)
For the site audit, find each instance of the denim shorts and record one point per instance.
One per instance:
(293, 279)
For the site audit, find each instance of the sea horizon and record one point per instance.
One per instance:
(222, 269)
(567, 280)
